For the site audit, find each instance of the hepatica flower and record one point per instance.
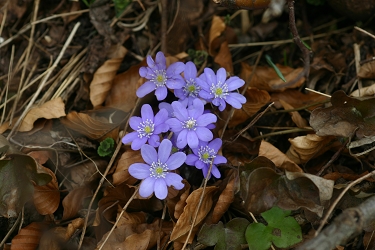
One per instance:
(205, 155)
(155, 173)
(191, 88)
(146, 128)
(219, 90)
(159, 77)
(191, 124)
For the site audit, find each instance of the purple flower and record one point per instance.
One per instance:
(155, 172)
(191, 124)
(160, 77)
(205, 155)
(217, 89)
(191, 89)
(147, 128)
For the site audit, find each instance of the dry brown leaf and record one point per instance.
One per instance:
(122, 94)
(96, 124)
(217, 27)
(177, 203)
(47, 198)
(28, 237)
(133, 237)
(304, 148)
(281, 161)
(121, 173)
(103, 77)
(52, 109)
(296, 117)
(255, 100)
(224, 57)
(131, 218)
(226, 198)
(72, 203)
(366, 91)
(41, 156)
(297, 99)
(367, 70)
(83, 173)
(266, 78)
(182, 227)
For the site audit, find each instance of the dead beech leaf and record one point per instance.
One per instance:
(224, 57)
(47, 198)
(73, 202)
(182, 227)
(177, 203)
(226, 198)
(96, 124)
(266, 78)
(367, 70)
(296, 98)
(101, 84)
(296, 117)
(133, 237)
(41, 156)
(121, 173)
(83, 173)
(28, 237)
(131, 218)
(52, 109)
(217, 27)
(304, 148)
(366, 91)
(281, 161)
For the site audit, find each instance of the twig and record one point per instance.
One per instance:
(364, 31)
(164, 24)
(119, 217)
(324, 221)
(334, 157)
(50, 70)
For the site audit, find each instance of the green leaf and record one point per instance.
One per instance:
(258, 236)
(232, 236)
(282, 230)
(278, 72)
(106, 147)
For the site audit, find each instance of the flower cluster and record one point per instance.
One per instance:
(186, 118)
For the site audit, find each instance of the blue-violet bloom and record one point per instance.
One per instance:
(191, 88)
(159, 77)
(205, 155)
(147, 128)
(155, 173)
(217, 89)
(191, 124)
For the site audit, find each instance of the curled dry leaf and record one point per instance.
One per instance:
(133, 237)
(52, 109)
(262, 188)
(73, 202)
(47, 198)
(297, 99)
(281, 161)
(296, 117)
(226, 197)
(366, 91)
(304, 148)
(96, 124)
(103, 77)
(131, 218)
(217, 27)
(367, 70)
(224, 57)
(266, 78)
(121, 173)
(183, 225)
(29, 236)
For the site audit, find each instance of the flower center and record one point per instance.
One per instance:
(220, 90)
(191, 88)
(145, 129)
(206, 154)
(190, 124)
(160, 78)
(158, 169)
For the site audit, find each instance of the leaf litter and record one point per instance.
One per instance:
(70, 84)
